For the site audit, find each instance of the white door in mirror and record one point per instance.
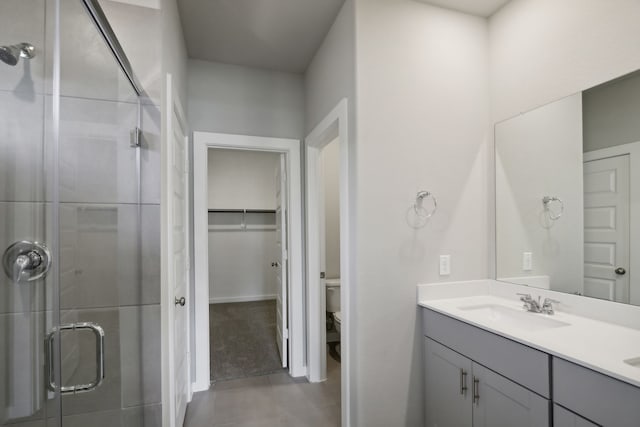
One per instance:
(606, 228)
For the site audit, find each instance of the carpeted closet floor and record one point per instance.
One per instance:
(243, 340)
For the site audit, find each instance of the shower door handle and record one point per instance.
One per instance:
(98, 332)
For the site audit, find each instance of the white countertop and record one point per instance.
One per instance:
(595, 344)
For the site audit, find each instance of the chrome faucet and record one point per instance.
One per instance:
(535, 307)
(547, 306)
(529, 303)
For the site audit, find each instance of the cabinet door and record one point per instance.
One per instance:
(499, 402)
(565, 418)
(448, 387)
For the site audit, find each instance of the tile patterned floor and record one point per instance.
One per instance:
(274, 400)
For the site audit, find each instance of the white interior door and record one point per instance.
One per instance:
(282, 333)
(177, 260)
(606, 228)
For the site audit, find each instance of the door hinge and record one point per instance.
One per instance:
(322, 274)
(285, 255)
(285, 334)
(135, 137)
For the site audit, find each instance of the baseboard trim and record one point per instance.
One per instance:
(250, 298)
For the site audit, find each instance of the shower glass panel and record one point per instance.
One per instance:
(80, 345)
(109, 274)
(28, 303)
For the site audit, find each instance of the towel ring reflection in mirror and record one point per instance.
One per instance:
(547, 202)
(417, 215)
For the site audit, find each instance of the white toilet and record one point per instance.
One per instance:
(337, 319)
(332, 287)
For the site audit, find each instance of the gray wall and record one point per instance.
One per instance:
(173, 49)
(611, 112)
(242, 100)
(584, 43)
(423, 124)
(331, 74)
(329, 78)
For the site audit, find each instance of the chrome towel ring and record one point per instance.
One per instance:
(420, 209)
(418, 215)
(547, 201)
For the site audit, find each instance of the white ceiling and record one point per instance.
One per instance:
(274, 34)
(484, 8)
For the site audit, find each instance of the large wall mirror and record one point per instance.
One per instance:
(568, 194)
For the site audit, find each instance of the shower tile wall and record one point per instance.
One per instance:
(109, 226)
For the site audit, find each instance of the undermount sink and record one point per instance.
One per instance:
(635, 362)
(521, 319)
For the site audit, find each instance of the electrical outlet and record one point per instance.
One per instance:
(527, 261)
(445, 265)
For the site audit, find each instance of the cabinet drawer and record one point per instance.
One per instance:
(595, 396)
(524, 365)
(564, 418)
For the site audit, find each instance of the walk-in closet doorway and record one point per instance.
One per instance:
(246, 264)
(248, 257)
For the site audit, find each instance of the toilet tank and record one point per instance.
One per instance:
(332, 287)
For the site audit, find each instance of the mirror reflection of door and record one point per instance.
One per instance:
(606, 228)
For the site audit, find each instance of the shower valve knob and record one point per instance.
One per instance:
(26, 261)
(30, 260)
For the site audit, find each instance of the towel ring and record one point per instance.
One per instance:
(547, 200)
(420, 209)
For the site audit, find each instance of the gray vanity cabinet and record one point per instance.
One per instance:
(477, 378)
(565, 418)
(461, 393)
(503, 403)
(594, 396)
(447, 387)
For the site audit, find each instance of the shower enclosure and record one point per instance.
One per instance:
(79, 223)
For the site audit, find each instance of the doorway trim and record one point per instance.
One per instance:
(335, 124)
(633, 151)
(202, 141)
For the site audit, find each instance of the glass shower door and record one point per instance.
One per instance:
(79, 224)
(28, 296)
(108, 247)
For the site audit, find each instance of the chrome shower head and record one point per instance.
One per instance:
(12, 54)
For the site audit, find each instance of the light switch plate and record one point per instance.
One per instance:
(445, 265)
(527, 261)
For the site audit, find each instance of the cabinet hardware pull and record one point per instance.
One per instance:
(463, 382)
(476, 390)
